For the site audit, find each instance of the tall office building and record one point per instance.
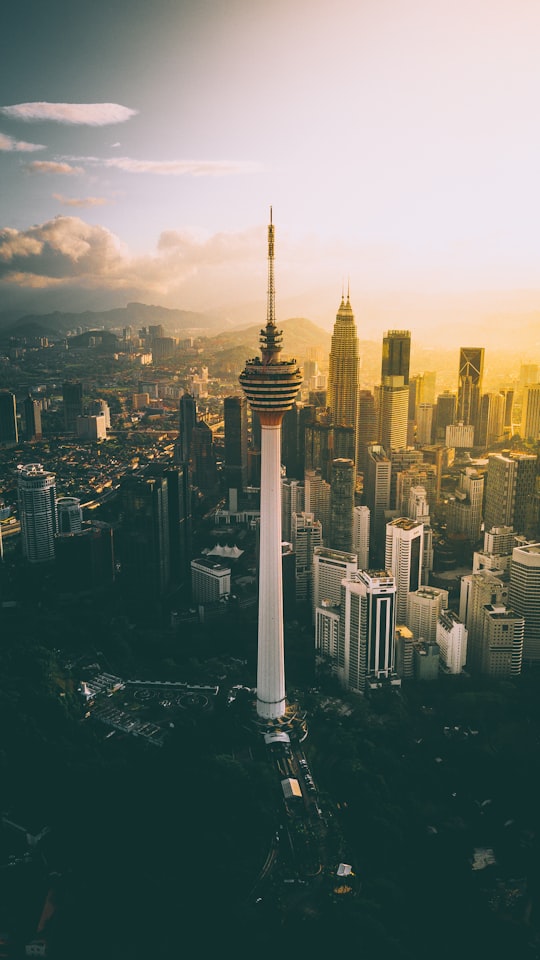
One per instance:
(319, 440)
(502, 642)
(306, 535)
(406, 458)
(144, 536)
(393, 408)
(99, 407)
(507, 393)
(396, 355)
(91, 428)
(424, 607)
(293, 439)
(464, 509)
(403, 559)
(187, 411)
(72, 395)
(292, 501)
(477, 590)
(210, 579)
(460, 435)
(530, 413)
(510, 489)
(445, 414)
(70, 516)
(368, 427)
(9, 434)
(32, 419)
(271, 386)
(451, 636)
(360, 535)
(327, 633)
(366, 646)
(499, 540)
(342, 486)
(329, 569)
(424, 422)
(416, 475)
(317, 495)
(524, 596)
(490, 419)
(418, 509)
(344, 374)
(236, 442)
(36, 490)
(377, 497)
(470, 374)
(180, 521)
(203, 458)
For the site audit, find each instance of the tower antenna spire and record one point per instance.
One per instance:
(271, 296)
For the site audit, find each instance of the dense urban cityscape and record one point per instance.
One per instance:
(240, 610)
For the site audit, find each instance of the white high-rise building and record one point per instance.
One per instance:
(451, 636)
(306, 535)
(524, 596)
(317, 499)
(327, 632)
(292, 501)
(393, 410)
(210, 580)
(421, 475)
(36, 489)
(502, 642)
(366, 649)
(329, 569)
(459, 435)
(510, 489)
(403, 559)
(464, 510)
(100, 407)
(530, 412)
(360, 535)
(424, 607)
(91, 428)
(377, 487)
(418, 509)
(477, 590)
(271, 386)
(424, 422)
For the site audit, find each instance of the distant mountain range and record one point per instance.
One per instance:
(135, 315)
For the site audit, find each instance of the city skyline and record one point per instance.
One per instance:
(140, 149)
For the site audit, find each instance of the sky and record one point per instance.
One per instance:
(397, 141)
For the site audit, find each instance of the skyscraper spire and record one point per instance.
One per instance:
(271, 297)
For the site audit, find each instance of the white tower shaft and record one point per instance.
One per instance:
(271, 662)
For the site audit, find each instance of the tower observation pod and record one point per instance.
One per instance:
(271, 386)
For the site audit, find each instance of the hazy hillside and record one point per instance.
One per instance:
(134, 315)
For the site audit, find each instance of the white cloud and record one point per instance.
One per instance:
(80, 201)
(89, 114)
(52, 166)
(67, 251)
(60, 249)
(9, 144)
(173, 168)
